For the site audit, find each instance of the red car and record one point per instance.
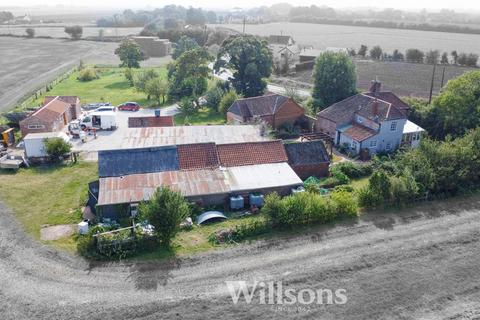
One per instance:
(129, 106)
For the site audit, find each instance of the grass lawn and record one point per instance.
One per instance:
(48, 195)
(358, 184)
(112, 86)
(204, 116)
(196, 240)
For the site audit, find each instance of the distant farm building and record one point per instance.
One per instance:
(153, 46)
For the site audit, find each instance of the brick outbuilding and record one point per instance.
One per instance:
(274, 109)
(52, 117)
(308, 158)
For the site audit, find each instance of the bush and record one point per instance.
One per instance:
(227, 100)
(129, 75)
(213, 98)
(274, 208)
(345, 203)
(56, 148)
(30, 32)
(87, 74)
(75, 32)
(353, 170)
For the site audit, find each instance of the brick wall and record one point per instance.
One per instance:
(289, 113)
(26, 125)
(326, 126)
(317, 170)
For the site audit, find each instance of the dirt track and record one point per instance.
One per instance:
(418, 264)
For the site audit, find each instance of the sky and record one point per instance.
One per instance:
(462, 5)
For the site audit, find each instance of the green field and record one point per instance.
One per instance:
(204, 116)
(48, 195)
(112, 86)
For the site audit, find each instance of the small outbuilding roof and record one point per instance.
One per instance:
(251, 153)
(411, 127)
(258, 106)
(306, 153)
(198, 156)
(261, 176)
(115, 163)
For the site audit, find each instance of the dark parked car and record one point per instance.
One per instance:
(129, 106)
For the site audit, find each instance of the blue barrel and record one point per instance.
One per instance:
(157, 112)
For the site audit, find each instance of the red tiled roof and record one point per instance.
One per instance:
(359, 133)
(251, 153)
(391, 98)
(143, 122)
(197, 156)
(67, 99)
(51, 111)
(258, 106)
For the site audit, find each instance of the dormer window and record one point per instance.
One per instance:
(393, 126)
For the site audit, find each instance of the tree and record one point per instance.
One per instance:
(334, 79)
(397, 55)
(56, 148)
(195, 17)
(376, 53)
(213, 98)
(362, 51)
(458, 105)
(444, 59)
(30, 32)
(469, 60)
(454, 55)
(184, 44)
(414, 55)
(129, 75)
(142, 78)
(165, 211)
(87, 74)
(186, 106)
(157, 88)
(250, 60)
(130, 54)
(189, 75)
(227, 100)
(171, 24)
(75, 32)
(432, 57)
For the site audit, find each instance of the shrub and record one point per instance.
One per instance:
(213, 98)
(368, 199)
(345, 203)
(338, 175)
(56, 148)
(129, 75)
(274, 208)
(30, 32)
(227, 100)
(353, 170)
(87, 74)
(75, 32)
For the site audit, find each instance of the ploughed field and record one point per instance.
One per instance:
(29, 64)
(403, 78)
(321, 36)
(417, 263)
(59, 31)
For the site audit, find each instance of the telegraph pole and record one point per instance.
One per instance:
(431, 85)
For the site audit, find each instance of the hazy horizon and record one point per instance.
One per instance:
(460, 5)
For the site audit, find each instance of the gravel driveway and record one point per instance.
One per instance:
(417, 264)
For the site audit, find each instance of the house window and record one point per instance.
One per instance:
(373, 144)
(393, 126)
(388, 146)
(36, 126)
(354, 145)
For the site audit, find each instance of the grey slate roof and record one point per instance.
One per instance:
(116, 163)
(306, 153)
(257, 106)
(363, 104)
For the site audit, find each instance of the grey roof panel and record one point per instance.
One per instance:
(115, 163)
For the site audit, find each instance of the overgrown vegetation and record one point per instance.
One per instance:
(56, 148)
